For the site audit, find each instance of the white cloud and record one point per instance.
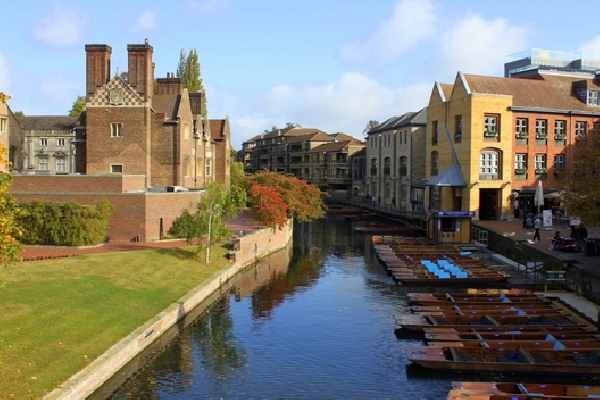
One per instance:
(145, 22)
(411, 22)
(591, 49)
(61, 28)
(476, 45)
(4, 79)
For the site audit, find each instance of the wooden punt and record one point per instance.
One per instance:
(587, 344)
(418, 322)
(508, 390)
(383, 229)
(507, 312)
(453, 335)
(475, 298)
(467, 307)
(518, 362)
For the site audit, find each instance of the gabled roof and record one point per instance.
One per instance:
(167, 104)
(47, 122)
(314, 136)
(397, 122)
(342, 137)
(545, 93)
(329, 147)
(289, 131)
(217, 128)
(451, 176)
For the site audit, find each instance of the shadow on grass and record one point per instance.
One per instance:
(192, 252)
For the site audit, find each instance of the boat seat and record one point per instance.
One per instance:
(543, 320)
(482, 321)
(460, 357)
(592, 358)
(515, 356)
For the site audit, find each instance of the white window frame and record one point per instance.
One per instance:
(520, 160)
(60, 142)
(3, 125)
(43, 141)
(580, 128)
(490, 123)
(522, 125)
(116, 129)
(61, 164)
(488, 164)
(559, 161)
(560, 127)
(43, 164)
(540, 161)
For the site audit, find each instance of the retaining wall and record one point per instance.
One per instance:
(251, 248)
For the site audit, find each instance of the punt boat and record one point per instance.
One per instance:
(485, 307)
(509, 390)
(521, 361)
(475, 298)
(433, 335)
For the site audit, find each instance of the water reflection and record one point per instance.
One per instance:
(315, 321)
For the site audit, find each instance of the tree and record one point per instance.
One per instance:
(77, 108)
(370, 125)
(10, 231)
(268, 206)
(580, 193)
(208, 222)
(236, 169)
(18, 114)
(304, 201)
(188, 70)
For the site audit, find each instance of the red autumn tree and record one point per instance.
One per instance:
(305, 202)
(268, 206)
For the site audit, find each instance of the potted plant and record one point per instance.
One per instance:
(560, 136)
(490, 134)
(521, 171)
(541, 135)
(540, 171)
(522, 134)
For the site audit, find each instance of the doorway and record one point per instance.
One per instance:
(488, 204)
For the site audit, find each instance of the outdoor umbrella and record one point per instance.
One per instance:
(538, 198)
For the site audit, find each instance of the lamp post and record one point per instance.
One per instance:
(214, 209)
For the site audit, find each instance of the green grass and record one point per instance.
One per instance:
(59, 315)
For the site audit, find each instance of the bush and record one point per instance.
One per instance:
(64, 224)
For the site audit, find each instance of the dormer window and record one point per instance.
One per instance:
(593, 98)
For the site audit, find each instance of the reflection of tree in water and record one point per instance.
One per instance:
(213, 334)
(302, 272)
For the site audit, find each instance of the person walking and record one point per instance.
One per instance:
(582, 234)
(536, 226)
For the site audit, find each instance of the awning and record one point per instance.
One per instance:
(451, 176)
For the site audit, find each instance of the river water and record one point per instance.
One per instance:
(314, 321)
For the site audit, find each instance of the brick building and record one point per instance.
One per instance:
(135, 128)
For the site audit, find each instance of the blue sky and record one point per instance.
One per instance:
(327, 64)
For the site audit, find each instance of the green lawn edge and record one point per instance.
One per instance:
(59, 315)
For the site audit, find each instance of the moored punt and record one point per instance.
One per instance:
(500, 390)
(513, 311)
(518, 362)
(453, 335)
(418, 322)
(474, 298)
(587, 344)
(527, 307)
(384, 229)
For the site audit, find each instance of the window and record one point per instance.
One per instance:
(60, 142)
(403, 166)
(3, 124)
(490, 125)
(43, 164)
(540, 164)
(116, 129)
(592, 98)
(541, 129)
(580, 128)
(403, 192)
(560, 129)
(434, 132)
(373, 166)
(116, 168)
(520, 161)
(434, 163)
(388, 189)
(208, 165)
(522, 127)
(61, 165)
(386, 166)
(458, 127)
(186, 130)
(43, 142)
(488, 165)
(559, 162)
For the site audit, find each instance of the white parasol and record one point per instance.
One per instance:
(538, 198)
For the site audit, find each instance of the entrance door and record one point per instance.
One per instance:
(488, 204)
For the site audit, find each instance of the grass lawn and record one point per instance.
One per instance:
(59, 315)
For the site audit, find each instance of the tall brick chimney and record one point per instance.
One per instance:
(97, 67)
(141, 69)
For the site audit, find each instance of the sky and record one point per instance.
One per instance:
(333, 65)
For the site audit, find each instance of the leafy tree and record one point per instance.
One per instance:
(18, 114)
(208, 222)
(10, 230)
(77, 108)
(580, 193)
(370, 125)
(236, 169)
(268, 206)
(188, 70)
(304, 201)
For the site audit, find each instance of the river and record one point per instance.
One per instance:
(314, 321)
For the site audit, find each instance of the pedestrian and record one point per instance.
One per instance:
(582, 234)
(573, 234)
(536, 226)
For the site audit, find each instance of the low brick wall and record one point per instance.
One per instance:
(252, 248)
